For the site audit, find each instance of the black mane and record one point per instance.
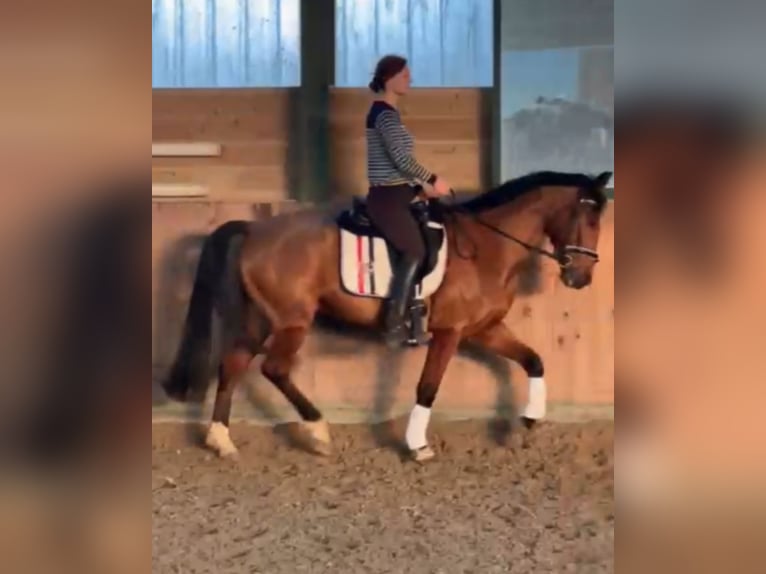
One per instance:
(515, 188)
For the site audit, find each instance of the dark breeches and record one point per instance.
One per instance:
(389, 209)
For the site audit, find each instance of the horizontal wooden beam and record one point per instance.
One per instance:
(186, 149)
(179, 190)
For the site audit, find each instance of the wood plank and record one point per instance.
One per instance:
(221, 128)
(177, 190)
(245, 152)
(425, 129)
(221, 102)
(420, 102)
(228, 198)
(223, 113)
(186, 149)
(225, 178)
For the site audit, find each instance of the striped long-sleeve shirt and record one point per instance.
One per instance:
(389, 149)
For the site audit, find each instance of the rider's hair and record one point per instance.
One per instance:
(387, 67)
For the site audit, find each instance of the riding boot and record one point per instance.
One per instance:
(402, 288)
(418, 325)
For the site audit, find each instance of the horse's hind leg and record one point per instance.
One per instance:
(277, 368)
(239, 347)
(234, 364)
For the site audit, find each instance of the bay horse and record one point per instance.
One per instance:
(283, 271)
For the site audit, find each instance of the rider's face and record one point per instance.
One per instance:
(400, 83)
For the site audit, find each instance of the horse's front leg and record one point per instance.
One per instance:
(442, 348)
(499, 339)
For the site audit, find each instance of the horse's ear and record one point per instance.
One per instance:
(603, 179)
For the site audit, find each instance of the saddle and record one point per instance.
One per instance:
(367, 258)
(356, 220)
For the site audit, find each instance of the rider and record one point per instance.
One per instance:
(393, 175)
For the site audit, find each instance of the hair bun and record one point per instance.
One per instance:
(375, 85)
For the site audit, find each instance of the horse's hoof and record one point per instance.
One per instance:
(422, 454)
(219, 441)
(319, 437)
(320, 448)
(528, 423)
(229, 452)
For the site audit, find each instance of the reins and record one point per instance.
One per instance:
(564, 259)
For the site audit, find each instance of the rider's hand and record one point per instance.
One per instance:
(441, 187)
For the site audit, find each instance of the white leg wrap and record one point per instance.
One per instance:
(416, 427)
(219, 440)
(535, 408)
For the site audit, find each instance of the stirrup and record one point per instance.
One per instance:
(418, 339)
(396, 337)
(418, 332)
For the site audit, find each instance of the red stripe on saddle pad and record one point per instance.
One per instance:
(359, 264)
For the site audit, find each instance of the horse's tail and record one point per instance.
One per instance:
(191, 372)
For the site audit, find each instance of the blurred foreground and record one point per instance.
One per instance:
(74, 135)
(691, 161)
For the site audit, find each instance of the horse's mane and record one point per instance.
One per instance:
(513, 189)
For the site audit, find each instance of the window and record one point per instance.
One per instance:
(557, 86)
(225, 43)
(448, 42)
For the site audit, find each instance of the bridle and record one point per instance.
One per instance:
(563, 256)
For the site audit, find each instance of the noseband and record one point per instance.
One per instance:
(564, 256)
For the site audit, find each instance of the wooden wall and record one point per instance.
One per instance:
(451, 128)
(251, 125)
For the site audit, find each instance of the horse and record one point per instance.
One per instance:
(267, 281)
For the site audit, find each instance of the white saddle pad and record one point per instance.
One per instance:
(365, 266)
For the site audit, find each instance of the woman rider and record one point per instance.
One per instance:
(393, 175)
